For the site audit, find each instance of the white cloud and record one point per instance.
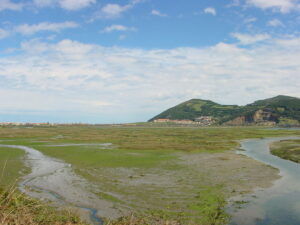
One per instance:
(112, 11)
(158, 13)
(75, 4)
(250, 20)
(9, 5)
(45, 3)
(246, 39)
(284, 6)
(211, 11)
(65, 4)
(289, 42)
(135, 84)
(117, 27)
(4, 33)
(27, 29)
(275, 23)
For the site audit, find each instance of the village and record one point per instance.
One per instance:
(25, 124)
(202, 121)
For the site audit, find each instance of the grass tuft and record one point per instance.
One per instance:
(19, 209)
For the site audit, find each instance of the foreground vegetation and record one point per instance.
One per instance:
(288, 149)
(160, 174)
(18, 209)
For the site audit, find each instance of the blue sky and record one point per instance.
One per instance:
(105, 61)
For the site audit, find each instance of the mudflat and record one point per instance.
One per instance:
(179, 174)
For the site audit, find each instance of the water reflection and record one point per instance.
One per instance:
(277, 205)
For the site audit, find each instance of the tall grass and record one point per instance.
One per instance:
(19, 209)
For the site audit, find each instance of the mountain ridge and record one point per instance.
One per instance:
(276, 110)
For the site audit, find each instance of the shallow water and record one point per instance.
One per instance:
(277, 205)
(55, 180)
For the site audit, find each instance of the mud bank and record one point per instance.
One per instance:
(178, 180)
(54, 180)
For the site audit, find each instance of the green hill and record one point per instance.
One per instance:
(282, 106)
(279, 110)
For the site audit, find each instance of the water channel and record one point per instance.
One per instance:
(277, 205)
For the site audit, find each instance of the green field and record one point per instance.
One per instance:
(141, 138)
(171, 173)
(289, 149)
(11, 166)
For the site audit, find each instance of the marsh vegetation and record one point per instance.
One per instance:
(180, 175)
(287, 149)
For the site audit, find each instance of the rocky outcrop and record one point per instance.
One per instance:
(262, 117)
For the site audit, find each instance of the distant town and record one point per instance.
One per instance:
(28, 124)
(25, 124)
(202, 120)
(7, 124)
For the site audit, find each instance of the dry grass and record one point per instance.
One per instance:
(18, 209)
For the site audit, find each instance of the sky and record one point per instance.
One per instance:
(119, 61)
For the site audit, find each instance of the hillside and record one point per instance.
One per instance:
(282, 106)
(283, 110)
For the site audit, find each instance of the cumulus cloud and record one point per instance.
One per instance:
(158, 13)
(211, 11)
(112, 11)
(246, 39)
(65, 4)
(117, 27)
(91, 79)
(75, 4)
(283, 6)
(9, 5)
(275, 23)
(27, 29)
